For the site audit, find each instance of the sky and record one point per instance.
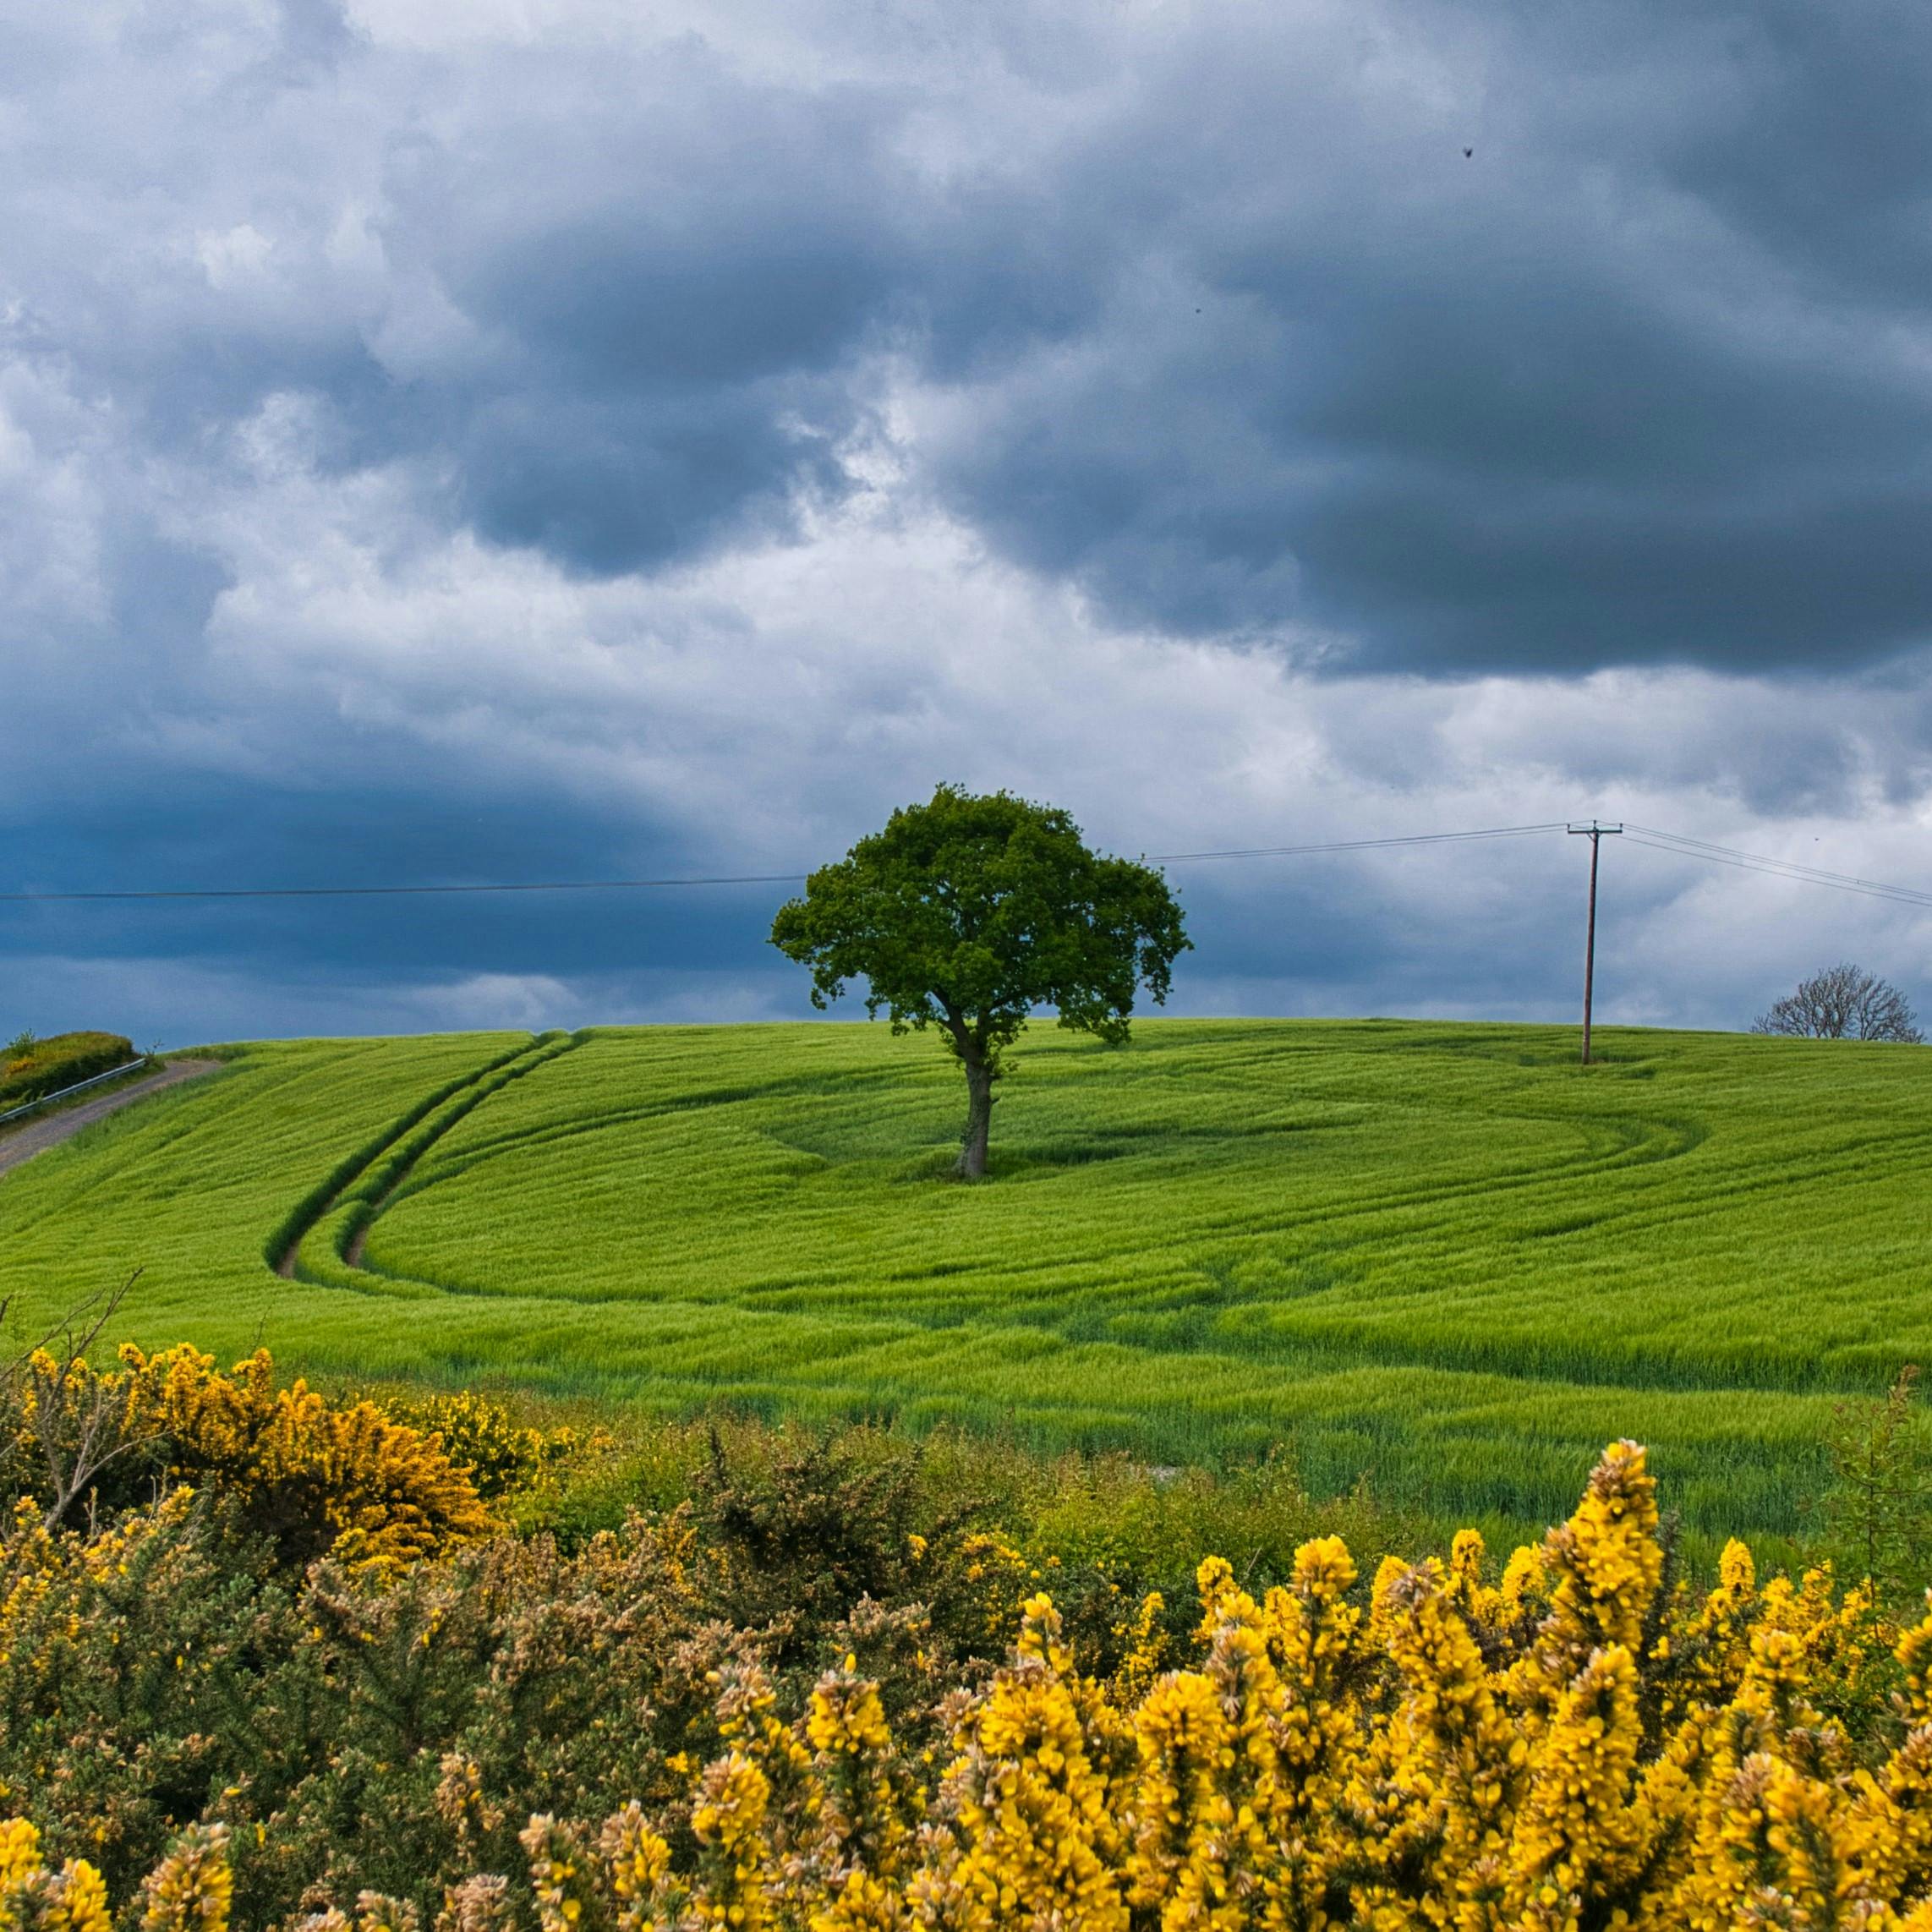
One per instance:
(450, 441)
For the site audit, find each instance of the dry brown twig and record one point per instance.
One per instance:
(80, 1422)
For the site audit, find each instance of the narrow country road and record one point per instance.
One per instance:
(33, 1137)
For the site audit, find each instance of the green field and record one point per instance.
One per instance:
(1442, 1256)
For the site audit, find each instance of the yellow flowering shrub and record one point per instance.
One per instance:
(500, 1456)
(1576, 1744)
(71, 1899)
(318, 1477)
(191, 1888)
(347, 1479)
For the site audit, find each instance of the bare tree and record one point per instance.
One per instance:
(1843, 1003)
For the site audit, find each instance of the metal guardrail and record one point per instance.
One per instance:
(65, 1092)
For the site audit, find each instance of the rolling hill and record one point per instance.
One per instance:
(1443, 1255)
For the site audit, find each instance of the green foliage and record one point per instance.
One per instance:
(146, 1667)
(377, 1736)
(835, 1503)
(1439, 1254)
(979, 909)
(967, 913)
(810, 1534)
(1880, 1504)
(31, 1068)
(391, 1728)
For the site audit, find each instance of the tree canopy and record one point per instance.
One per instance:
(969, 912)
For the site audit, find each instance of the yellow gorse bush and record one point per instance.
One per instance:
(1575, 1745)
(346, 1480)
(71, 1899)
(500, 1455)
(383, 1491)
(190, 1890)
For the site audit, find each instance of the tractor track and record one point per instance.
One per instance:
(371, 1177)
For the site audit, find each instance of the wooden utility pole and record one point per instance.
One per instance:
(1594, 832)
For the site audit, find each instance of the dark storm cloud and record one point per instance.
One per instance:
(1228, 329)
(207, 831)
(646, 279)
(1642, 379)
(670, 272)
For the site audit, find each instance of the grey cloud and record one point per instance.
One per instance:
(1817, 147)
(1586, 397)
(613, 485)
(672, 278)
(1226, 330)
(161, 589)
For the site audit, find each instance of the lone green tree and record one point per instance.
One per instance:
(967, 913)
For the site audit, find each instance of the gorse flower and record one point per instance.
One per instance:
(1037, 1845)
(864, 1833)
(638, 1863)
(735, 1875)
(563, 1878)
(1602, 1567)
(1571, 1747)
(1180, 1813)
(71, 1899)
(191, 1888)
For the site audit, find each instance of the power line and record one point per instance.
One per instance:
(1686, 847)
(735, 878)
(1653, 836)
(403, 891)
(1358, 844)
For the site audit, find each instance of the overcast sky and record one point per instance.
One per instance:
(457, 440)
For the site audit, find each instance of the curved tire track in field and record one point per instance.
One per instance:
(1598, 1144)
(628, 1112)
(1582, 1361)
(396, 1172)
(368, 1180)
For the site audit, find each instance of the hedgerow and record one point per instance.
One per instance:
(802, 1697)
(45, 1066)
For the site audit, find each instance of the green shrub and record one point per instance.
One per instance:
(806, 1647)
(46, 1066)
(1879, 1508)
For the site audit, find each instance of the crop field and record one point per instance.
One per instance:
(1441, 1257)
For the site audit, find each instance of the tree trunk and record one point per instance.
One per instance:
(979, 1111)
